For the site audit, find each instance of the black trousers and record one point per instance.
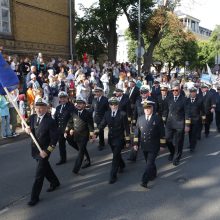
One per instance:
(177, 147)
(193, 134)
(62, 147)
(43, 170)
(217, 120)
(209, 119)
(101, 136)
(82, 152)
(151, 169)
(117, 161)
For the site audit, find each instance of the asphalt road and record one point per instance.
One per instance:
(189, 191)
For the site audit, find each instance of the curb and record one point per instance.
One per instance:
(13, 139)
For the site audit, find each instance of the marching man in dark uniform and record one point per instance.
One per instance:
(139, 111)
(209, 105)
(117, 123)
(163, 102)
(150, 135)
(195, 113)
(133, 93)
(124, 103)
(176, 124)
(80, 128)
(62, 116)
(44, 129)
(99, 107)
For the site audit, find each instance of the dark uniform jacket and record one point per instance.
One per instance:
(118, 128)
(125, 105)
(149, 134)
(46, 134)
(82, 125)
(133, 95)
(209, 102)
(99, 108)
(194, 109)
(162, 108)
(139, 110)
(176, 114)
(63, 117)
(217, 100)
(155, 92)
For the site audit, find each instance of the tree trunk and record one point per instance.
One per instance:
(148, 55)
(112, 42)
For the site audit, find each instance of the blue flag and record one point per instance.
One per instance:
(8, 77)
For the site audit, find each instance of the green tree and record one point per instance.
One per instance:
(206, 54)
(90, 37)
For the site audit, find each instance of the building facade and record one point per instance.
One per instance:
(28, 27)
(192, 24)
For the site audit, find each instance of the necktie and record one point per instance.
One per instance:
(192, 100)
(79, 113)
(147, 119)
(113, 114)
(175, 98)
(61, 109)
(38, 121)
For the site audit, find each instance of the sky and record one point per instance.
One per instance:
(207, 11)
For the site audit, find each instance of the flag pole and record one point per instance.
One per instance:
(22, 119)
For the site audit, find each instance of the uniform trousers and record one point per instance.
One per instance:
(193, 134)
(217, 120)
(82, 152)
(43, 170)
(178, 136)
(117, 161)
(151, 170)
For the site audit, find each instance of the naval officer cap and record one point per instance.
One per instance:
(113, 100)
(62, 94)
(132, 80)
(80, 100)
(41, 102)
(118, 90)
(193, 89)
(98, 89)
(145, 88)
(147, 103)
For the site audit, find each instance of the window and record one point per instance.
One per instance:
(5, 24)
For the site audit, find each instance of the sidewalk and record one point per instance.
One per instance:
(21, 136)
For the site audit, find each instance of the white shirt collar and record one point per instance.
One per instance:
(148, 117)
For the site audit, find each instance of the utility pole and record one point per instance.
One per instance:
(71, 28)
(139, 38)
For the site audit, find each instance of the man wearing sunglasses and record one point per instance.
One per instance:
(175, 124)
(217, 109)
(117, 123)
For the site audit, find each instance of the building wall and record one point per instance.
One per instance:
(38, 26)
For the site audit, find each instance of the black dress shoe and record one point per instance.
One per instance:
(75, 171)
(112, 180)
(33, 202)
(144, 185)
(53, 187)
(87, 164)
(176, 162)
(61, 162)
(170, 158)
